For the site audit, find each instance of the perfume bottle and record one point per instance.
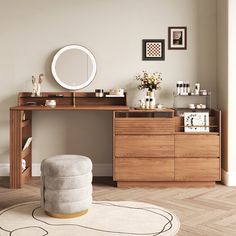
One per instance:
(152, 102)
(197, 88)
(147, 102)
(179, 87)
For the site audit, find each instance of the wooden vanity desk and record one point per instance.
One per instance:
(150, 147)
(21, 123)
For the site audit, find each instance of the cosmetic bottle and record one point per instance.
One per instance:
(179, 87)
(99, 93)
(188, 88)
(147, 102)
(197, 88)
(152, 102)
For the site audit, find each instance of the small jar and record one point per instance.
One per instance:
(50, 103)
(99, 93)
(203, 92)
(191, 106)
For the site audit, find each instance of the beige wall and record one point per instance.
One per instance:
(231, 88)
(226, 84)
(226, 50)
(222, 74)
(32, 31)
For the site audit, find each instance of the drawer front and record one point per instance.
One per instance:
(144, 125)
(197, 146)
(197, 169)
(144, 146)
(144, 169)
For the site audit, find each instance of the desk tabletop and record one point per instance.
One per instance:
(72, 108)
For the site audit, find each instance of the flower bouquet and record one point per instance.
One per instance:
(149, 81)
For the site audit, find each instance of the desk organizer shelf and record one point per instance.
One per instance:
(68, 99)
(184, 100)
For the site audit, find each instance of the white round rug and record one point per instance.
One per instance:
(103, 218)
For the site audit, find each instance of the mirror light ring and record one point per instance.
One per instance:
(54, 62)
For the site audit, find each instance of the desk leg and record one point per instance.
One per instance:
(19, 132)
(15, 148)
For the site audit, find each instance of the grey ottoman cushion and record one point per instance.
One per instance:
(66, 184)
(66, 165)
(73, 182)
(67, 195)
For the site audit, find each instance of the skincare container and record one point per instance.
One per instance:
(99, 93)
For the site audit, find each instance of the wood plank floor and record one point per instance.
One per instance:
(202, 211)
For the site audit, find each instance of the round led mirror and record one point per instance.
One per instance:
(73, 67)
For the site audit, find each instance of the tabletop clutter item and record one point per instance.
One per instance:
(151, 82)
(197, 88)
(99, 93)
(191, 106)
(203, 92)
(183, 88)
(23, 164)
(201, 106)
(142, 103)
(116, 92)
(50, 103)
(37, 85)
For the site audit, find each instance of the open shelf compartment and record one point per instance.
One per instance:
(214, 121)
(71, 99)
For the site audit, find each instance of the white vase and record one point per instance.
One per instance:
(150, 93)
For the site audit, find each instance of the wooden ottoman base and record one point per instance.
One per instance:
(65, 216)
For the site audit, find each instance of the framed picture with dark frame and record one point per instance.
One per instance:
(153, 49)
(177, 37)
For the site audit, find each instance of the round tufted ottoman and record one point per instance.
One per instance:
(66, 185)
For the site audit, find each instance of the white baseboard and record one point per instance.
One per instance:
(98, 169)
(229, 178)
(4, 169)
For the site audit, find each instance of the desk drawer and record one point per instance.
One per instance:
(144, 125)
(197, 169)
(144, 169)
(144, 146)
(197, 145)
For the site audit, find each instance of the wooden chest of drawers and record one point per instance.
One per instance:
(151, 150)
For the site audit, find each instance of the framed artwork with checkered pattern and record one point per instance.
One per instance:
(154, 49)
